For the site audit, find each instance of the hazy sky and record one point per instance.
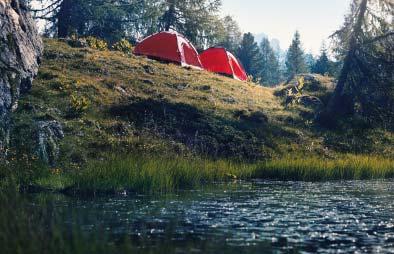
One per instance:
(315, 19)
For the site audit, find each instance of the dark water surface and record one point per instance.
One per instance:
(254, 217)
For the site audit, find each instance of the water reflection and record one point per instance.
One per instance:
(354, 216)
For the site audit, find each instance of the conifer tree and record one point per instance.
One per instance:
(310, 61)
(133, 19)
(269, 73)
(231, 36)
(365, 44)
(108, 19)
(295, 59)
(323, 64)
(250, 56)
(193, 18)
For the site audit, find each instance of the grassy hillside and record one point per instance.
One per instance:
(112, 104)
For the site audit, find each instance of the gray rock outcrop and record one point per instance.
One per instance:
(48, 135)
(20, 51)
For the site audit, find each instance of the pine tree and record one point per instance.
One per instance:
(250, 56)
(64, 18)
(365, 44)
(310, 61)
(323, 64)
(108, 19)
(193, 18)
(112, 20)
(295, 59)
(269, 73)
(170, 17)
(231, 36)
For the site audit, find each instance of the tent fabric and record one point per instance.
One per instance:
(219, 60)
(169, 46)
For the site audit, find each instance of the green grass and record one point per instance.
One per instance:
(112, 103)
(144, 174)
(145, 112)
(157, 174)
(349, 167)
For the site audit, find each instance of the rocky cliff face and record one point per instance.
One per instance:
(20, 51)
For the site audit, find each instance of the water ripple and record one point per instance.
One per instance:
(344, 217)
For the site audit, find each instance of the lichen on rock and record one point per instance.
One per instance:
(48, 135)
(20, 51)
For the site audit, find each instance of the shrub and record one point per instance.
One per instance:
(257, 117)
(252, 79)
(96, 43)
(123, 46)
(300, 84)
(78, 104)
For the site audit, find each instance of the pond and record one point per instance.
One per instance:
(246, 217)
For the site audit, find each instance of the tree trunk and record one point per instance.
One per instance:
(342, 103)
(170, 16)
(64, 19)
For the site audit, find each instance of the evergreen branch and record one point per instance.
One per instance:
(379, 38)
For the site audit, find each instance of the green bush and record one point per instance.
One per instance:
(123, 46)
(78, 104)
(96, 43)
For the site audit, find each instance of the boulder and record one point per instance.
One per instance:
(310, 101)
(20, 51)
(48, 135)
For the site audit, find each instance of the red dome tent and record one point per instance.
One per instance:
(219, 60)
(169, 46)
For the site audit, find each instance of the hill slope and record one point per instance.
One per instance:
(111, 103)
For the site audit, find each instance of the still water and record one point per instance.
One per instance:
(252, 217)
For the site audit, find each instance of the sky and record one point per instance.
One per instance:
(316, 20)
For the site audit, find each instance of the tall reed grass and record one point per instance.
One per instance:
(348, 167)
(158, 174)
(164, 174)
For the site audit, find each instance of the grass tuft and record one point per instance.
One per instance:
(144, 174)
(349, 167)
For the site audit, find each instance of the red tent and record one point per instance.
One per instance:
(219, 60)
(169, 46)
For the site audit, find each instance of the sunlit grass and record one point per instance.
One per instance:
(36, 229)
(144, 174)
(174, 110)
(165, 174)
(349, 167)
